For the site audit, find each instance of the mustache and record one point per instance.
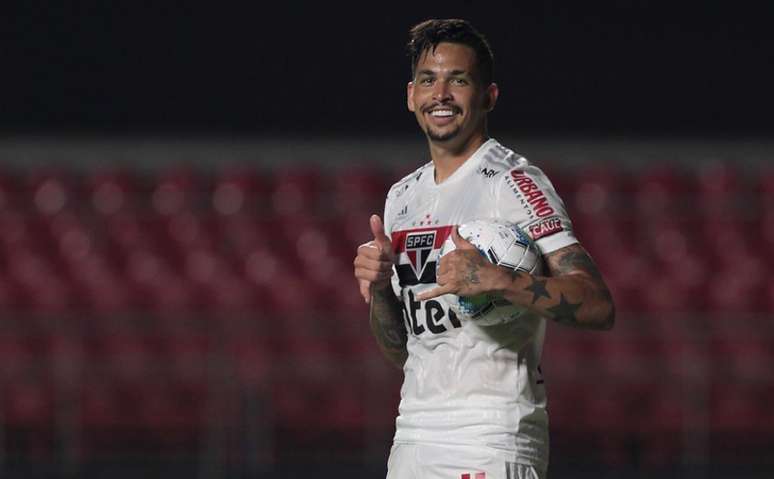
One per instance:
(432, 106)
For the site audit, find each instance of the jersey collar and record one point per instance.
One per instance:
(469, 165)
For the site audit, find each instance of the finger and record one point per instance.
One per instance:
(373, 276)
(459, 241)
(376, 264)
(365, 290)
(377, 229)
(434, 293)
(373, 251)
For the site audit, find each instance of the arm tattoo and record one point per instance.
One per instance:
(564, 312)
(538, 289)
(516, 274)
(574, 260)
(388, 328)
(577, 260)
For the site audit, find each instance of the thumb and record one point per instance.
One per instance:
(459, 241)
(377, 228)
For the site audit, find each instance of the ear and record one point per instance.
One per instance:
(410, 96)
(490, 100)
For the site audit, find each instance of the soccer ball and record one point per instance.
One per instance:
(505, 245)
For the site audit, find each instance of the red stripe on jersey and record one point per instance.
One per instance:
(399, 237)
(465, 476)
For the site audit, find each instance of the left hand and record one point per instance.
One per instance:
(463, 272)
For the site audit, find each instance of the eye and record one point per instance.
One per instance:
(426, 81)
(459, 81)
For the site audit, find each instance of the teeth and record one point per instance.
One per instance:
(441, 113)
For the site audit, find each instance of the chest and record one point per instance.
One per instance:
(438, 207)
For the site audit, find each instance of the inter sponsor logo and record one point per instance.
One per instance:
(545, 227)
(532, 194)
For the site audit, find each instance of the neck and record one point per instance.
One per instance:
(448, 157)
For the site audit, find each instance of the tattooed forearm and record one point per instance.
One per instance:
(584, 300)
(388, 328)
(565, 311)
(538, 289)
(576, 260)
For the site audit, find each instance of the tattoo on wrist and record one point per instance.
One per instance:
(516, 274)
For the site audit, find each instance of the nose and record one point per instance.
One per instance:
(441, 92)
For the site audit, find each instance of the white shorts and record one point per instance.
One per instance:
(425, 461)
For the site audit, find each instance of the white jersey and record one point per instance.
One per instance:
(464, 383)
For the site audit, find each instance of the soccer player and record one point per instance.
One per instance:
(473, 404)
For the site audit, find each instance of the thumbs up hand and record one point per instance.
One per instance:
(374, 260)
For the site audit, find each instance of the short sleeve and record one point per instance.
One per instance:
(526, 197)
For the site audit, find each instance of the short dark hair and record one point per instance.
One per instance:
(428, 34)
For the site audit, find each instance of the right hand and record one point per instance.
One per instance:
(374, 261)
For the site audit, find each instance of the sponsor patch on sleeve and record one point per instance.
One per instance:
(530, 193)
(545, 227)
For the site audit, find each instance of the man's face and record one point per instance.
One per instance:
(447, 96)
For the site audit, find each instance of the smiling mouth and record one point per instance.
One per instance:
(442, 114)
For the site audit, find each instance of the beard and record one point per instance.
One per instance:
(441, 136)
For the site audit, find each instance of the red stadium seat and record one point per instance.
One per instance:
(126, 231)
(51, 191)
(739, 292)
(29, 405)
(361, 189)
(17, 358)
(296, 190)
(251, 359)
(239, 191)
(669, 297)
(742, 358)
(661, 191)
(21, 230)
(187, 230)
(10, 191)
(765, 232)
(114, 191)
(176, 190)
(11, 297)
(740, 421)
(765, 189)
(720, 189)
(662, 424)
(598, 192)
(43, 287)
(124, 356)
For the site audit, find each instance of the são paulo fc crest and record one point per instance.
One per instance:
(418, 248)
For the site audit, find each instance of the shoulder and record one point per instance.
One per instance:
(407, 182)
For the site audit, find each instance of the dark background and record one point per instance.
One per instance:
(626, 67)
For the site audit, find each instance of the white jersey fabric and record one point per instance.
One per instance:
(467, 384)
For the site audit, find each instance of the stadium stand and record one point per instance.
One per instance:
(182, 311)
